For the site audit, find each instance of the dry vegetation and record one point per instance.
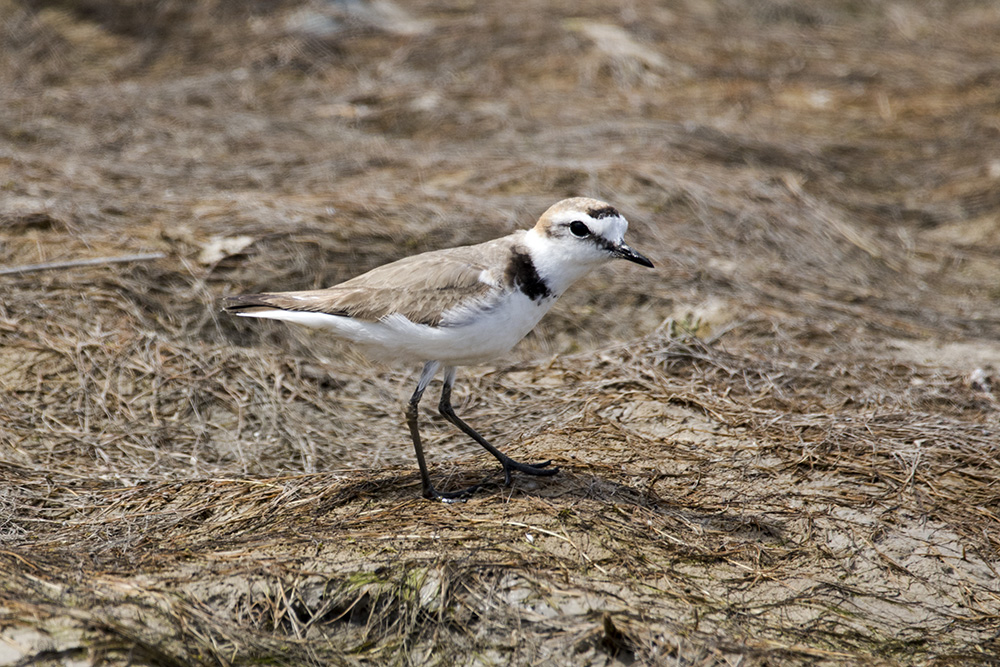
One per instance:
(781, 447)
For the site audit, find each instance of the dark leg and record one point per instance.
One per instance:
(430, 368)
(508, 463)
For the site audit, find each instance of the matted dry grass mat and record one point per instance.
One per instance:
(687, 524)
(778, 448)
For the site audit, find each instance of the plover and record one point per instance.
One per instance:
(459, 306)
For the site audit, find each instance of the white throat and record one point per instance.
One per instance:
(556, 263)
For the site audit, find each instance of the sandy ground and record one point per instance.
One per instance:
(780, 447)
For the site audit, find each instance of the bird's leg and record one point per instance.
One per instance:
(430, 368)
(508, 463)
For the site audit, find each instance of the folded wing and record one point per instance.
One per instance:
(422, 288)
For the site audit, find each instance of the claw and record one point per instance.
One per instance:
(537, 469)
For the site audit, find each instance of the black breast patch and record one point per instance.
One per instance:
(521, 273)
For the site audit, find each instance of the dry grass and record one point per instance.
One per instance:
(778, 448)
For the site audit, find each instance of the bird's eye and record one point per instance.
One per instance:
(579, 230)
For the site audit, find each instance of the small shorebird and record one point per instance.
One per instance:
(459, 306)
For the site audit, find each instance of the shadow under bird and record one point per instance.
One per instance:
(459, 306)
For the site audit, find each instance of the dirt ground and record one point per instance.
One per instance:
(780, 447)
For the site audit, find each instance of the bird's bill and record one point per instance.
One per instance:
(623, 251)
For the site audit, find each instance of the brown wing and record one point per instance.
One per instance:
(420, 288)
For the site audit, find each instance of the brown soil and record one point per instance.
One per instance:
(780, 447)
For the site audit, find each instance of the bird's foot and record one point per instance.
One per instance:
(537, 469)
(509, 465)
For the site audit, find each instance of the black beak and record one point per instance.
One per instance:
(622, 251)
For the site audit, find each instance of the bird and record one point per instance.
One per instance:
(459, 306)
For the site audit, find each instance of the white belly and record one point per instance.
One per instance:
(486, 336)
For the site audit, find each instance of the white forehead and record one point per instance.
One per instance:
(602, 219)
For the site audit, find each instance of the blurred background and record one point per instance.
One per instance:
(818, 184)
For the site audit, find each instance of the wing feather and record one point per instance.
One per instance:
(421, 288)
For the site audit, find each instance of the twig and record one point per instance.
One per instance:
(47, 266)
